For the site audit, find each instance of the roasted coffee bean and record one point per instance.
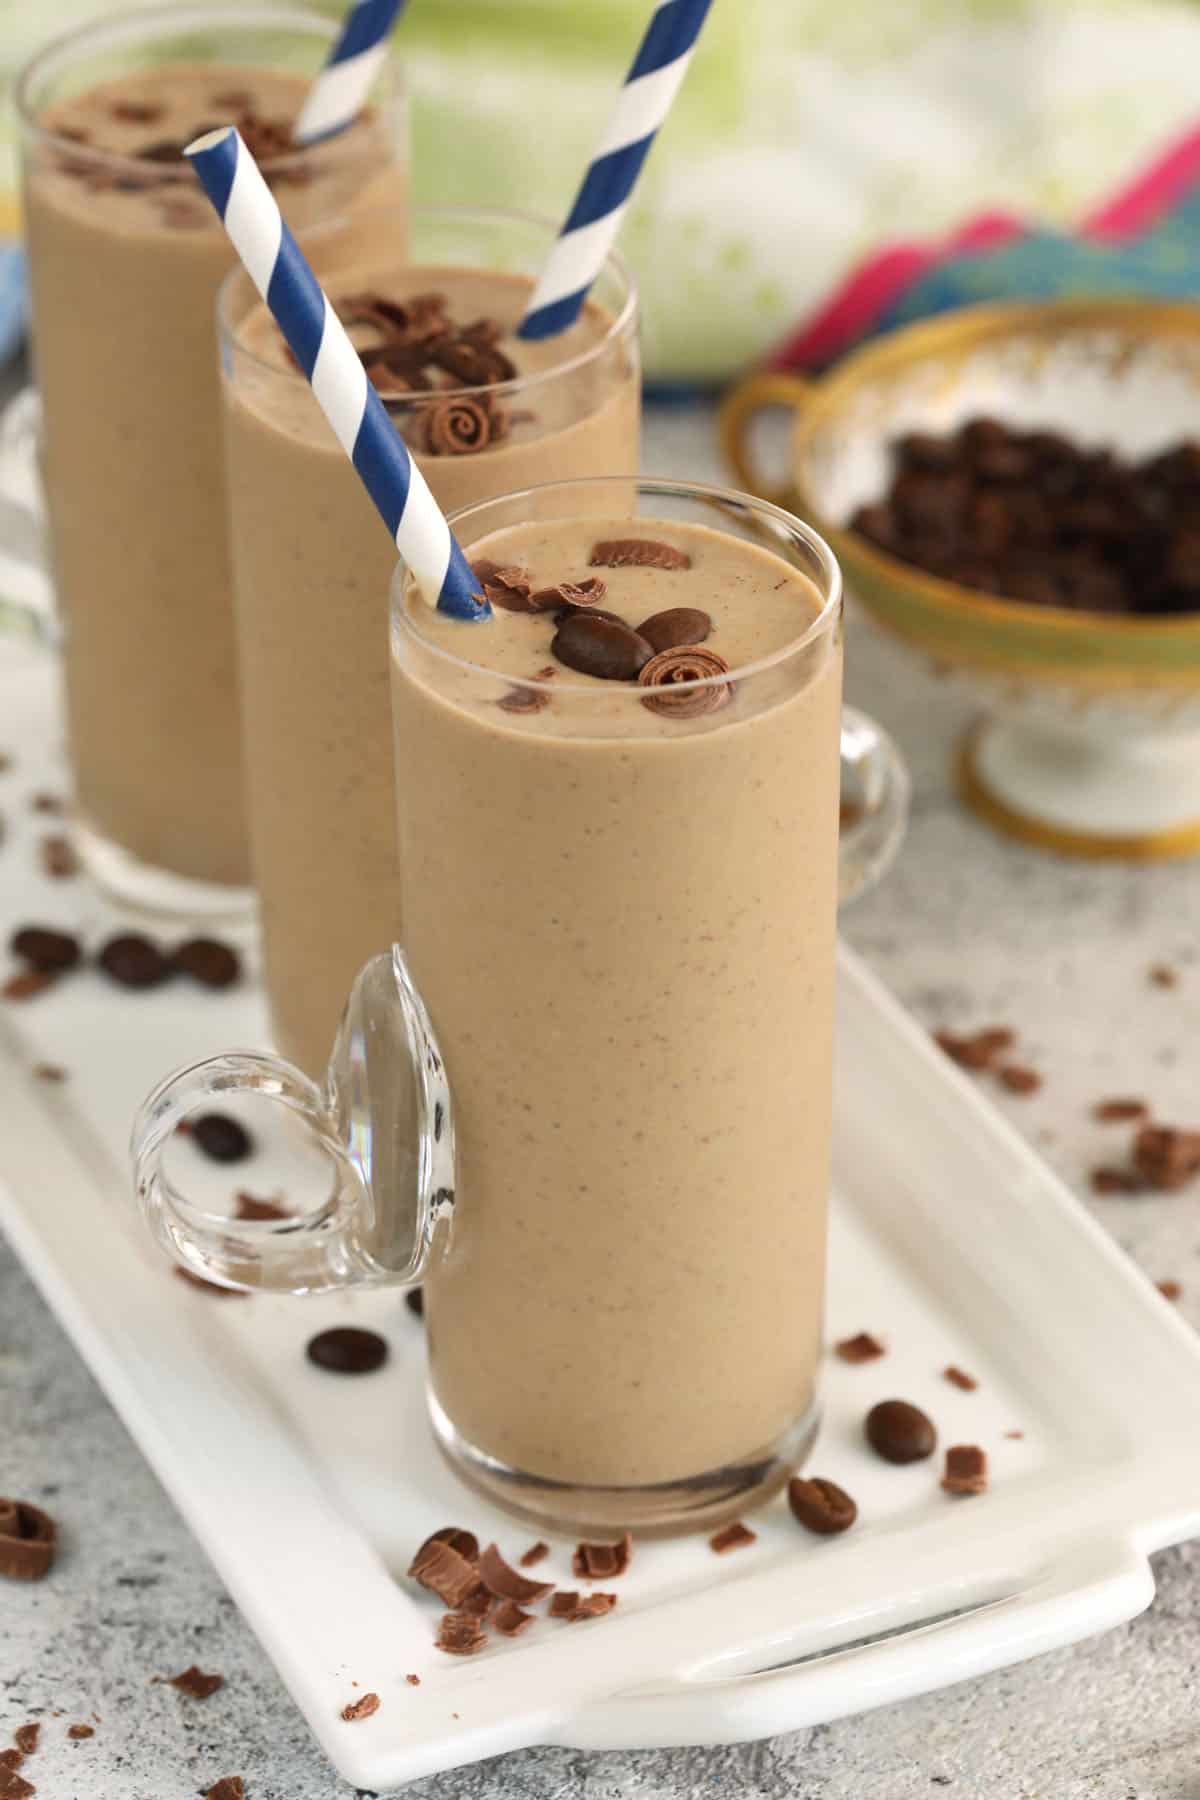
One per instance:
(134, 962)
(820, 1505)
(212, 964)
(221, 1137)
(593, 612)
(677, 626)
(48, 951)
(414, 1299)
(600, 647)
(900, 1433)
(348, 1350)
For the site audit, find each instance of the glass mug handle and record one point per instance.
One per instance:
(383, 1116)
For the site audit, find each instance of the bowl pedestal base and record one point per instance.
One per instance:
(1085, 795)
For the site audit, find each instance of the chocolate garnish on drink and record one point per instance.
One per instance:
(670, 668)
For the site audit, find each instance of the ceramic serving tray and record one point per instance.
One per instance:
(951, 1241)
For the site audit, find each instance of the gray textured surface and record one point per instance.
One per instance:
(968, 930)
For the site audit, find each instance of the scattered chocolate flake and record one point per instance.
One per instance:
(1166, 1156)
(459, 1635)
(348, 1350)
(462, 426)
(966, 1469)
(900, 1432)
(195, 1683)
(569, 596)
(361, 1708)
(1107, 1180)
(1164, 976)
(508, 588)
(251, 1209)
(51, 1072)
(209, 1287)
(28, 1540)
(960, 1379)
(48, 951)
(735, 1536)
(477, 1604)
(602, 1562)
(47, 803)
(1018, 1079)
(413, 1680)
(637, 553)
(1116, 1112)
(505, 1582)
(212, 964)
(458, 1538)
(820, 1505)
(439, 1567)
(1170, 1289)
(536, 1553)
(25, 1737)
(414, 1299)
(79, 1732)
(60, 859)
(9, 1760)
(601, 647)
(978, 1051)
(563, 1604)
(666, 671)
(14, 1786)
(522, 700)
(860, 1348)
(133, 961)
(484, 569)
(230, 1787)
(221, 1138)
(676, 627)
(27, 984)
(509, 1620)
(1014, 1434)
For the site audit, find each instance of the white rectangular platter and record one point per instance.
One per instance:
(950, 1240)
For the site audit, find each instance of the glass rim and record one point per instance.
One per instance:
(663, 486)
(165, 20)
(517, 385)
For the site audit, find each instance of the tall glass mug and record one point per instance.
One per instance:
(589, 1103)
(125, 259)
(312, 563)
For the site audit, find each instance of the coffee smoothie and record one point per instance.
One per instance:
(484, 413)
(619, 894)
(126, 257)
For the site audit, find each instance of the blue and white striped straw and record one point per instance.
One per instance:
(340, 91)
(593, 222)
(276, 265)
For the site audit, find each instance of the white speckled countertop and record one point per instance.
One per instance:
(968, 930)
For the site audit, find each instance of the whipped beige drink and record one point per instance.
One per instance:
(619, 904)
(484, 414)
(126, 257)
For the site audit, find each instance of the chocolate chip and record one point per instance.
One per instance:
(1113, 1112)
(536, 1553)
(253, 1210)
(212, 964)
(414, 1299)
(732, 1537)
(499, 1579)
(960, 1379)
(637, 553)
(348, 1350)
(899, 1432)
(1107, 1180)
(979, 1051)
(230, 1787)
(361, 1708)
(602, 1562)
(966, 1469)
(25, 1737)
(439, 1567)
(1163, 976)
(821, 1505)
(134, 962)
(27, 984)
(220, 1137)
(80, 1732)
(600, 647)
(670, 668)
(677, 626)
(14, 1786)
(48, 951)
(28, 1540)
(1166, 1156)
(459, 1635)
(509, 1620)
(413, 1680)
(1169, 1289)
(1019, 1080)
(860, 1348)
(195, 1683)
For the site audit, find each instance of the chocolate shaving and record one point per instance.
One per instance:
(478, 1604)
(14, 1786)
(440, 1568)
(536, 1553)
(1170, 1289)
(80, 1732)
(195, 1683)
(979, 1051)
(461, 426)
(459, 1635)
(27, 984)
(602, 1562)
(637, 553)
(230, 1787)
(860, 1348)
(966, 1469)
(571, 595)
(505, 1582)
(735, 1536)
(1166, 1156)
(465, 1542)
(25, 1737)
(361, 1708)
(28, 1540)
(1105, 1180)
(508, 588)
(1020, 1080)
(1117, 1112)
(960, 1379)
(690, 662)
(413, 1680)
(9, 1759)
(572, 1606)
(509, 1620)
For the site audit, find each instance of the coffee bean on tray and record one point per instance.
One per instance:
(899, 1432)
(44, 949)
(212, 964)
(600, 647)
(348, 1350)
(132, 961)
(820, 1505)
(221, 1137)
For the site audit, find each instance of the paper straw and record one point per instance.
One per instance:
(592, 225)
(276, 265)
(339, 92)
